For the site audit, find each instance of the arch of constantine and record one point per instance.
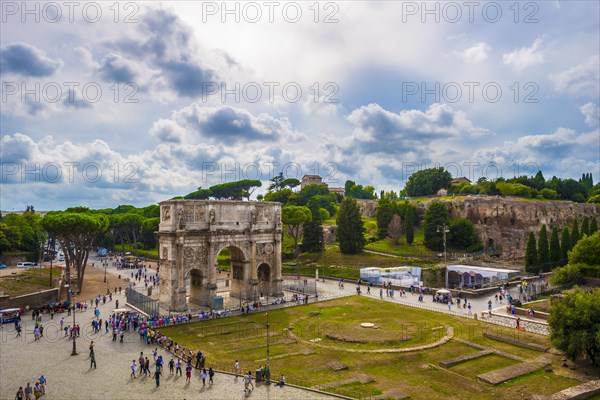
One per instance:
(191, 235)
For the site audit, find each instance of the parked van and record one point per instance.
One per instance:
(26, 264)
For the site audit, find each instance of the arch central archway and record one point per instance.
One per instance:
(192, 234)
(264, 279)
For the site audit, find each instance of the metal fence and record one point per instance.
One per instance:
(303, 286)
(145, 303)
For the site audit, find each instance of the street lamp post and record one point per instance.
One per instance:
(74, 352)
(444, 229)
(52, 258)
(268, 343)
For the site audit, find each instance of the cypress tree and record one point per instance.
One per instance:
(543, 248)
(555, 254)
(593, 226)
(350, 227)
(565, 242)
(384, 213)
(409, 225)
(312, 239)
(531, 255)
(436, 216)
(574, 233)
(585, 226)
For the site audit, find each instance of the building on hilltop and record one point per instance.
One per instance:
(458, 181)
(317, 180)
(337, 191)
(311, 180)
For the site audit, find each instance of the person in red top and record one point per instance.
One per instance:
(188, 373)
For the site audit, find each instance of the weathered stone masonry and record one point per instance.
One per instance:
(191, 235)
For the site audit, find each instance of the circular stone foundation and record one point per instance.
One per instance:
(367, 325)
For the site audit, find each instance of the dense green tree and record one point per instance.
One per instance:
(428, 181)
(585, 226)
(326, 201)
(350, 227)
(565, 242)
(294, 217)
(276, 183)
(538, 181)
(200, 194)
(488, 188)
(132, 223)
(282, 196)
(290, 183)
(594, 199)
(543, 247)
(569, 274)
(10, 237)
(436, 216)
(549, 194)
(515, 189)
(575, 325)
(593, 226)
(151, 211)
(24, 232)
(569, 188)
(555, 253)
(462, 233)
(147, 236)
(586, 251)
(76, 232)
(360, 192)
(575, 232)
(409, 226)
(383, 215)
(303, 196)
(312, 238)
(531, 255)
(347, 186)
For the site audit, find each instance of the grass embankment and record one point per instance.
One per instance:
(151, 254)
(337, 324)
(29, 281)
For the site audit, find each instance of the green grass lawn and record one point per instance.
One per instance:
(150, 254)
(543, 305)
(29, 281)
(337, 324)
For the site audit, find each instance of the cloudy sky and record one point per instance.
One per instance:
(109, 103)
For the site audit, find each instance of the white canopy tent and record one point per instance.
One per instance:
(471, 276)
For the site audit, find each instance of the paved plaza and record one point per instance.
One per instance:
(24, 360)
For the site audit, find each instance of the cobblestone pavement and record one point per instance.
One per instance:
(23, 360)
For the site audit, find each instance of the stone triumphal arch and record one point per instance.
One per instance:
(191, 235)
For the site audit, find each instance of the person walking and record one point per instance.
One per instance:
(43, 382)
(178, 367)
(133, 369)
(157, 375)
(20, 394)
(198, 357)
(203, 376)
(92, 359)
(28, 391)
(188, 373)
(171, 367)
(236, 368)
